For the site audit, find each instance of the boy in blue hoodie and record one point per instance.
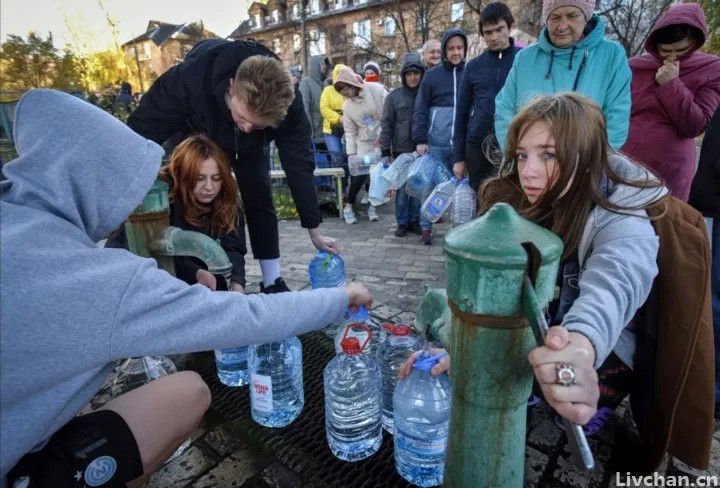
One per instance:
(71, 310)
(434, 114)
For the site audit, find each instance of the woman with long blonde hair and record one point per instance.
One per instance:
(204, 198)
(559, 173)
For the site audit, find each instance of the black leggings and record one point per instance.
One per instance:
(356, 182)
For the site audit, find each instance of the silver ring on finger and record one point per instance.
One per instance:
(565, 374)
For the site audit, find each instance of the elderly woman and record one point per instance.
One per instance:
(675, 91)
(362, 113)
(572, 54)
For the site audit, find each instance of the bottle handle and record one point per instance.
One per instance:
(358, 325)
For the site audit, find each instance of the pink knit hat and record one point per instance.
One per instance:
(587, 7)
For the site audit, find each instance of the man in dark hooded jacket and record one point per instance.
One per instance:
(434, 114)
(311, 88)
(204, 94)
(482, 80)
(396, 137)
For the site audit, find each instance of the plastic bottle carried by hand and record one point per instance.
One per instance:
(397, 173)
(421, 180)
(439, 200)
(327, 270)
(361, 319)
(464, 203)
(231, 366)
(359, 164)
(421, 404)
(379, 186)
(276, 382)
(352, 401)
(391, 355)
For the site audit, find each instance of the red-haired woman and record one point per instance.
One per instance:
(203, 198)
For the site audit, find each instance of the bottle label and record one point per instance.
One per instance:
(261, 392)
(423, 446)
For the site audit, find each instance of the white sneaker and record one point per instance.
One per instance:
(349, 215)
(365, 200)
(372, 214)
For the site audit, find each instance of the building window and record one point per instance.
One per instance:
(421, 21)
(389, 26)
(339, 4)
(314, 7)
(275, 14)
(277, 47)
(147, 52)
(317, 42)
(296, 42)
(258, 20)
(361, 33)
(296, 11)
(456, 11)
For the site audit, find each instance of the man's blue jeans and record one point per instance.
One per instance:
(407, 209)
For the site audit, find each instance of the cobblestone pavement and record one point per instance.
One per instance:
(396, 270)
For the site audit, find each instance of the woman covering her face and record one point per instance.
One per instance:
(204, 198)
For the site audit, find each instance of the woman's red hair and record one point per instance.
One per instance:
(182, 174)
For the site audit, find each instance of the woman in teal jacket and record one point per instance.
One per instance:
(572, 54)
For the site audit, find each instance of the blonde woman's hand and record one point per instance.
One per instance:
(441, 367)
(578, 401)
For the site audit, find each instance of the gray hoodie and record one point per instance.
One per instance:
(311, 88)
(618, 263)
(70, 309)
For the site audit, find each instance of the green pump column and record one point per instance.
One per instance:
(489, 344)
(148, 222)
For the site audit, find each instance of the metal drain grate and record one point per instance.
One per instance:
(302, 445)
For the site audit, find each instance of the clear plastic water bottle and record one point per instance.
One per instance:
(397, 173)
(276, 382)
(136, 372)
(372, 128)
(442, 173)
(352, 402)
(391, 355)
(359, 164)
(464, 203)
(327, 270)
(379, 186)
(421, 180)
(438, 201)
(356, 326)
(231, 366)
(421, 415)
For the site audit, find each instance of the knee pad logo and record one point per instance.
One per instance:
(100, 471)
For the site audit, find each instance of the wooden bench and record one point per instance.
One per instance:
(335, 173)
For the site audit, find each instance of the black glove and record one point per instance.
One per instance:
(337, 130)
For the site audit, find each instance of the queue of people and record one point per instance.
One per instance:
(569, 132)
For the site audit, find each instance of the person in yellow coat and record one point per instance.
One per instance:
(331, 108)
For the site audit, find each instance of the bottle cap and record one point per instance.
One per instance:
(360, 315)
(425, 362)
(351, 345)
(397, 329)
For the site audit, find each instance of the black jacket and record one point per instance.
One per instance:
(190, 97)
(233, 244)
(396, 135)
(705, 191)
(482, 80)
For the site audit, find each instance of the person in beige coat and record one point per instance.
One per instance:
(362, 113)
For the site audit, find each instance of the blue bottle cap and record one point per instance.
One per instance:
(360, 315)
(426, 362)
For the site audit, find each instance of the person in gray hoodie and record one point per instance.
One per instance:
(311, 88)
(71, 310)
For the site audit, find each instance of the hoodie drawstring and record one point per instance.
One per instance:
(572, 55)
(552, 60)
(580, 69)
